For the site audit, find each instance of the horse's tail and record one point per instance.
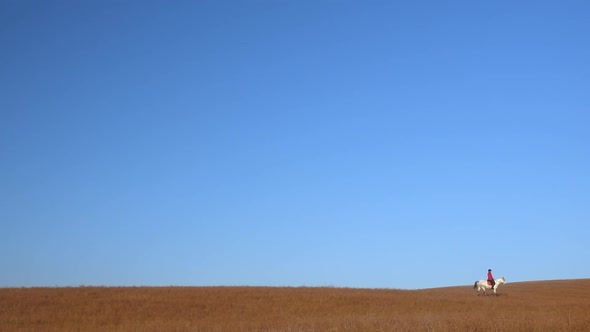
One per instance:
(475, 285)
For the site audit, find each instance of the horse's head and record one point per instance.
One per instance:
(502, 280)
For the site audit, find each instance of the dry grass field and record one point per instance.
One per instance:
(561, 305)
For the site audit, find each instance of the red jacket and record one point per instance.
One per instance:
(490, 277)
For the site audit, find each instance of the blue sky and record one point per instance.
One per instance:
(285, 143)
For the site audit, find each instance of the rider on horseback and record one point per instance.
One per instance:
(491, 278)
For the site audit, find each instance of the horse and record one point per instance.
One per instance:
(483, 285)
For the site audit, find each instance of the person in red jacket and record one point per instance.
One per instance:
(491, 278)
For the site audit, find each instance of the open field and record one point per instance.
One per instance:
(560, 305)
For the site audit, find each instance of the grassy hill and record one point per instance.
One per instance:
(559, 305)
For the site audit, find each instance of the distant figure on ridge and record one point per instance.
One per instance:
(491, 278)
(490, 283)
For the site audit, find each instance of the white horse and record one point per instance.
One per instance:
(483, 285)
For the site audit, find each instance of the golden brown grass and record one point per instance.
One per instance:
(528, 306)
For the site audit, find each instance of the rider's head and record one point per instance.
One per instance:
(489, 270)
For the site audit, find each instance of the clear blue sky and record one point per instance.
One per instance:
(408, 144)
